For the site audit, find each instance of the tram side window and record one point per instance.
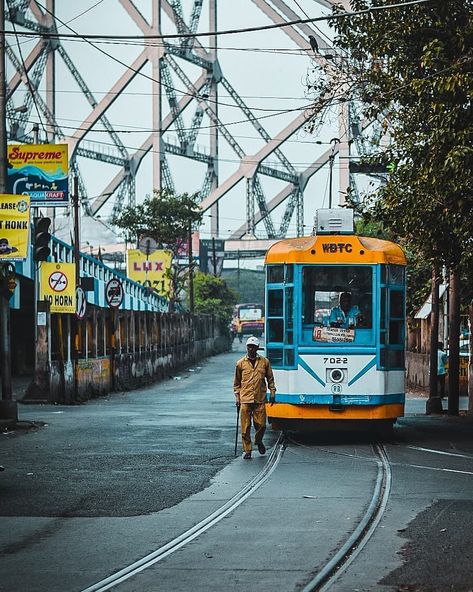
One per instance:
(275, 356)
(393, 275)
(392, 328)
(275, 303)
(337, 297)
(396, 317)
(275, 274)
(275, 316)
(289, 333)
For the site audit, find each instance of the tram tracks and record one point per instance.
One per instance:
(327, 574)
(172, 546)
(348, 552)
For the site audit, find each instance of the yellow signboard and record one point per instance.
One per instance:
(57, 285)
(14, 227)
(150, 270)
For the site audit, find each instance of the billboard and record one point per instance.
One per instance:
(40, 171)
(14, 227)
(211, 256)
(150, 270)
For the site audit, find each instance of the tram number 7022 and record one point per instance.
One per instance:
(336, 361)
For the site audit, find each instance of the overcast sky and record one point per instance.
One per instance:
(272, 79)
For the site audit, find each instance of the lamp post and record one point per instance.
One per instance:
(334, 142)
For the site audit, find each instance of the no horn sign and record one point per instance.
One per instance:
(114, 293)
(57, 286)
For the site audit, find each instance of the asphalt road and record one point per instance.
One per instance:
(97, 486)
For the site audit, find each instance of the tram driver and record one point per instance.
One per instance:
(345, 315)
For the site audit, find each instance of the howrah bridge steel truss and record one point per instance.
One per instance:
(37, 69)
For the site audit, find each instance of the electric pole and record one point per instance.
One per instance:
(191, 270)
(8, 407)
(434, 402)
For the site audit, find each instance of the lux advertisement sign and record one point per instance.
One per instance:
(150, 270)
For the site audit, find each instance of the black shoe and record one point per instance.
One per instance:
(261, 448)
(247, 456)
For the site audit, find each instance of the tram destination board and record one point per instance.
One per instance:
(114, 293)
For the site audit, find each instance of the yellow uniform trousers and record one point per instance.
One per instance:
(257, 411)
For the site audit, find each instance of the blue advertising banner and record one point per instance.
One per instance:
(40, 171)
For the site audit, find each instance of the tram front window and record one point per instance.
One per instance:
(337, 300)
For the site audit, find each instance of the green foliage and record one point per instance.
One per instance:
(248, 284)
(410, 67)
(213, 296)
(166, 218)
(368, 227)
(419, 271)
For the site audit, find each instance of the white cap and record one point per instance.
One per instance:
(252, 341)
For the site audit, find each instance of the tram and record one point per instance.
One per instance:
(335, 327)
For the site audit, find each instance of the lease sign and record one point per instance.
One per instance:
(57, 285)
(14, 227)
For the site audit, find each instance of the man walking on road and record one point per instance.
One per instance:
(252, 374)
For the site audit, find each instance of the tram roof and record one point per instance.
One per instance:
(335, 248)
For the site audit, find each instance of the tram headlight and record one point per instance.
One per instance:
(336, 375)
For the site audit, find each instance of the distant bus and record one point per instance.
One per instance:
(248, 319)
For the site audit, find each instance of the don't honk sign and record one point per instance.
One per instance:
(14, 227)
(57, 285)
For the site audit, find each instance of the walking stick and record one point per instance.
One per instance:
(236, 431)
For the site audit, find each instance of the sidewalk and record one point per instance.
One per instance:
(416, 402)
(19, 386)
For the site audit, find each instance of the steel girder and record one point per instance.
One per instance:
(202, 93)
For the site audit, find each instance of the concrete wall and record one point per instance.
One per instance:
(168, 342)
(418, 375)
(417, 371)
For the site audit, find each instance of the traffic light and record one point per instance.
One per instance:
(41, 239)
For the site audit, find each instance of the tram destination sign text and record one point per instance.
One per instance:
(333, 334)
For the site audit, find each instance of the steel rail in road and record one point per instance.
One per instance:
(348, 552)
(191, 534)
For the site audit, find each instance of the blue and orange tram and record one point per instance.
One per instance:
(335, 326)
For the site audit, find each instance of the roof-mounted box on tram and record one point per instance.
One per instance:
(334, 221)
(335, 324)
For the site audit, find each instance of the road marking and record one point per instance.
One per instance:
(440, 452)
(432, 468)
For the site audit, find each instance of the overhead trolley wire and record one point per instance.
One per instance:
(334, 16)
(142, 74)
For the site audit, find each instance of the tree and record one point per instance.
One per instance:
(411, 69)
(213, 296)
(166, 218)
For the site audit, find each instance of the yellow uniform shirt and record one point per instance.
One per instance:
(250, 382)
